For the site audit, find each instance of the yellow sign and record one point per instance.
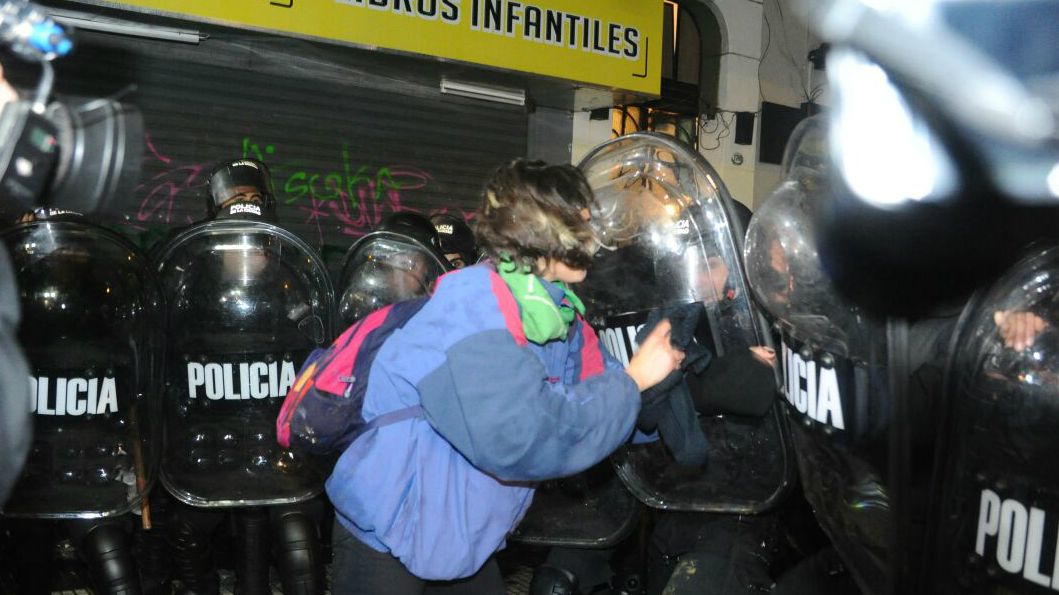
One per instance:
(611, 43)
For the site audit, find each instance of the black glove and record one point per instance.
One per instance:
(736, 383)
(667, 406)
(683, 320)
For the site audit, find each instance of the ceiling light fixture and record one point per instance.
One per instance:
(483, 92)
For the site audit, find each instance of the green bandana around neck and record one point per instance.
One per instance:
(542, 319)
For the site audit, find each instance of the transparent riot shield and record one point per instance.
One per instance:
(383, 268)
(91, 330)
(248, 301)
(591, 509)
(670, 239)
(834, 367)
(996, 518)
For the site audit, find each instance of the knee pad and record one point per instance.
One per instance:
(106, 548)
(553, 581)
(297, 545)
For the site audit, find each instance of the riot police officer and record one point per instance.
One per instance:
(248, 301)
(920, 207)
(457, 240)
(92, 307)
(398, 260)
(671, 239)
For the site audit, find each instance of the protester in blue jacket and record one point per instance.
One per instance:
(513, 388)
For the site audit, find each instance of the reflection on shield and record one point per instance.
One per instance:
(995, 517)
(91, 330)
(745, 467)
(835, 365)
(248, 302)
(383, 268)
(671, 240)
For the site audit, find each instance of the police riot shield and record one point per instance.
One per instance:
(248, 301)
(591, 509)
(91, 331)
(671, 243)
(383, 268)
(996, 517)
(834, 367)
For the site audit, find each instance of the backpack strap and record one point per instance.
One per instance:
(390, 417)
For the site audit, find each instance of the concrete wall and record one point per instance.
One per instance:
(764, 58)
(787, 77)
(740, 23)
(764, 49)
(588, 134)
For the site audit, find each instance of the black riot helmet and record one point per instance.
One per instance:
(399, 260)
(457, 239)
(241, 189)
(413, 226)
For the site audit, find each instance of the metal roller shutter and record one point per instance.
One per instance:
(344, 149)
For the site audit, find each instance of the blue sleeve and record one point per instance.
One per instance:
(609, 361)
(493, 401)
(612, 363)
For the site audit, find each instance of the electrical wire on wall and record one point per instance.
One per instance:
(764, 52)
(706, 126)
(786, 52)
(721, 129)
(713, 130)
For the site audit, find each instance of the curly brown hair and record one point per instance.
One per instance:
(531, 209)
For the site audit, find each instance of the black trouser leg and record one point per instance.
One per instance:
(190, 539)
(152, 546)
(252, 546)
(30, 549)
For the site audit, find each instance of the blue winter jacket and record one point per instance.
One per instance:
(441, 491)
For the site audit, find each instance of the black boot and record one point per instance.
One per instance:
(190, 539)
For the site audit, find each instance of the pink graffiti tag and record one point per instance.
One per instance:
(161, 191)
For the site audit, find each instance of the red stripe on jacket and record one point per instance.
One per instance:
(508, 308)
(591, 356)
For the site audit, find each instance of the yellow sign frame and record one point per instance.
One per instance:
(611, 43)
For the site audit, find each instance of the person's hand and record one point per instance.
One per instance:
(1018, 329)
(763, 354)
(656, 358)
